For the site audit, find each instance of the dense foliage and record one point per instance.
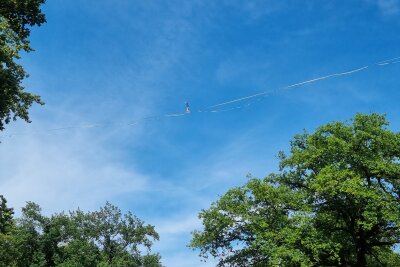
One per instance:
(16, 18)
(335, 202)
(102, 238)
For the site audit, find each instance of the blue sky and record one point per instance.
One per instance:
(112, 62)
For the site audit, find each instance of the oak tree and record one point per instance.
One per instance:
(335, 202)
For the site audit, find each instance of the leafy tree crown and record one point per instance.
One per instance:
(335, 202)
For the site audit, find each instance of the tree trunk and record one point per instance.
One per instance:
(361, 250)
(107, 248)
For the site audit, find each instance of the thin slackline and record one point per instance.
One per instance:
(388, 60)
(94, 125)
(380, 63)
(288, 87)
(259, 96)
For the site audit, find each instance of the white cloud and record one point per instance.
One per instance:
(178, 225)
(176, 231)
(60, 172)
(185, 260)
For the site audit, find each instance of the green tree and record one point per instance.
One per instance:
(118, 237)
(6, 216)
(16, 18)
(29, 236)
(77, 239)
(7, 239)
(335, 202)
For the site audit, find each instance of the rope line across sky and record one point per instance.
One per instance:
(218, 107)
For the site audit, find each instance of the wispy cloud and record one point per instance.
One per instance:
(61, 172)
(85, 167)
(256, 9)
(176, 230)
(193, 260)
(178, 225)
(389, 7)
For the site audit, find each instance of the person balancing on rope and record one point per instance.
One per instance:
(187, 107)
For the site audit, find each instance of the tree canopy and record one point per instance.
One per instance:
(101, 238)
(335, 202)
(16, 18)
